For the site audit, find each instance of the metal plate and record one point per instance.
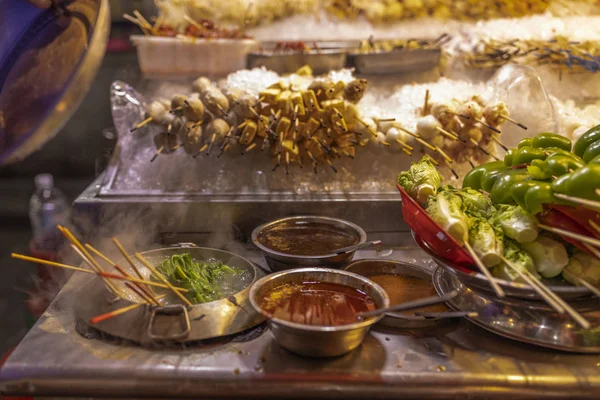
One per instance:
(321, 62)
(207, 320)
(526, 321)
(512, 289)
(48, 61)
(370, 267)
(395, 61)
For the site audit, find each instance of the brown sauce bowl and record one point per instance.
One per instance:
(315, 340)
(279, 261)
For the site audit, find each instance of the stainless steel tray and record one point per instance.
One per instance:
(478, 281)
(459, 360)
(524, 320)
(395, 61)
(181, 324)
(321, 62)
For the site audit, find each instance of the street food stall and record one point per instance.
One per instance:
(381, 200)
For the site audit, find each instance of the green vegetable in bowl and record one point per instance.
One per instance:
(421, 180)
(516, 223)
(487, 241)
(446, 208)
(475, 202)
(202, 279)
(549, 255)
(517, 257)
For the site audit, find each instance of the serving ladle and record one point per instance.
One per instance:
(355, 247)
(410, 305)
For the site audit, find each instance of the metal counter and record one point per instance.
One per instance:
(456, 360)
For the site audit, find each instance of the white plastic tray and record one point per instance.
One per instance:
(163, 56)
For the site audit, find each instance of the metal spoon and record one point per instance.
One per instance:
(355, 247)
(411, 305)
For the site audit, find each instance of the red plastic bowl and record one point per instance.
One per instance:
(433, 235)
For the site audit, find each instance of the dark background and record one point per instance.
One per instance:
(75, 156)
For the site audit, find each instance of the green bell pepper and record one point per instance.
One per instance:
(537, 195)
(526, 155)
(584, 182)
(489, 178)
(555, 165)
(595, 160)
(592, 151)
(560, 184)
(474, 177)
(525, 143)
(546, 139)
(591, 136)
(508, 157)
(559, 164)
(519, 189)
(501, 191)
(553, 151)
(538, 169)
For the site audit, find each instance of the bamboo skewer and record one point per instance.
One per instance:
(498, 131)
(470, 160)
(126, 256)
(88, 271)
(160, 150)
(86, 256)
(123, 272)
(443, 154)
(520, 125)
(138, 126)
(569, 234)
(140, 294)
(593, 250)
(117, 312)
(594, 225)
(578, 200)
(497, 289)
(495, 139)
(589, 286)
(446, 133)
(567, 308)
(451, 169)
(162, 278)
(535, 285)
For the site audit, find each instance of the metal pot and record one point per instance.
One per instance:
(311, 340)
(370, 267)
(175, 322)
(279, 261)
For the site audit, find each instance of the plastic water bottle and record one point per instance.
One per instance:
(48, 208)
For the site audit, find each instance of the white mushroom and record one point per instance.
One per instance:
(471, 109)
(157, 111)
(493, 113)
(444, 112)
(201, 85)
(427, 127)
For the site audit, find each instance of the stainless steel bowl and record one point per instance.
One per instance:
(279, 261)
(175, 322)
(318, 341)
(370, 267)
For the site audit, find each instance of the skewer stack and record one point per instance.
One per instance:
(459, 132)
(139, 288)
(320, 124)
